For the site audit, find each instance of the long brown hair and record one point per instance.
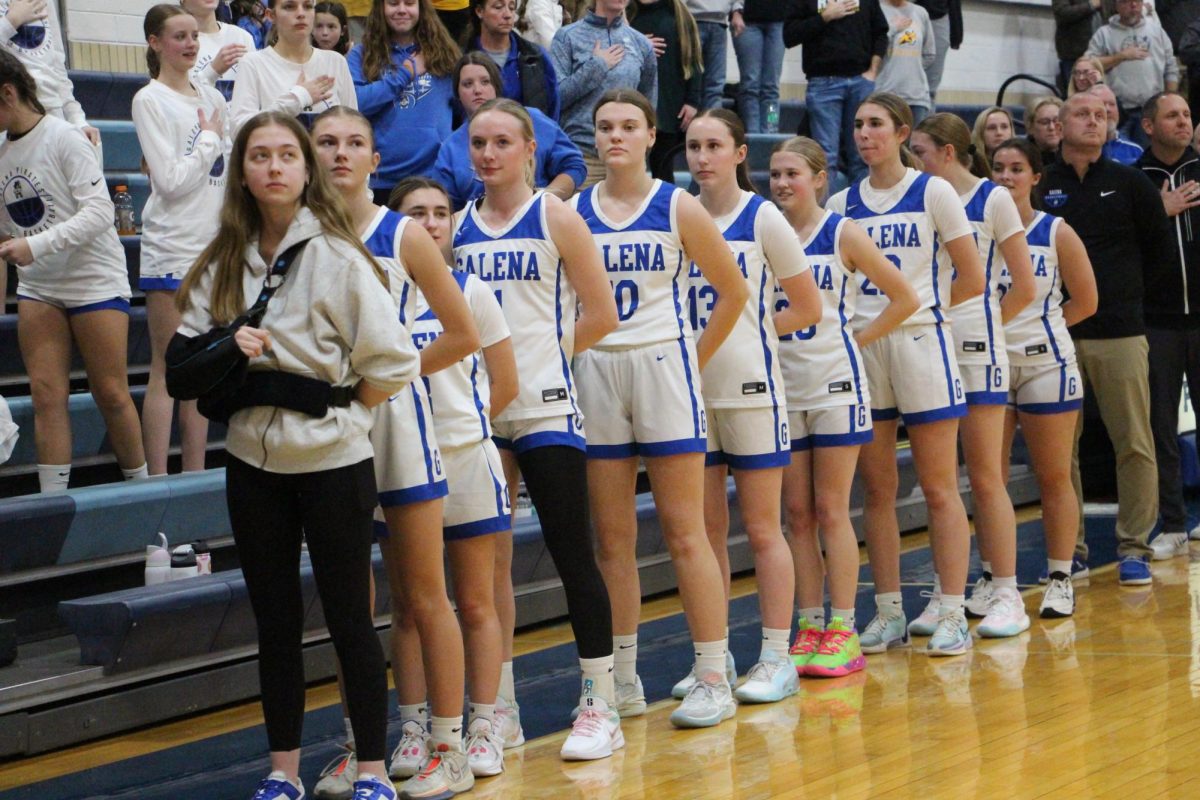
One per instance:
(948, 129)
(478, 58)
(902, 117)
(737, 131)
(631, 96)
(241, 222)
(404, 188)
(430, 35)
(153, 25)
(1034, 156)
(690, 52)
(13, 73)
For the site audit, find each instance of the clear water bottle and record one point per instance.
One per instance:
(123, 202)
(772, 121)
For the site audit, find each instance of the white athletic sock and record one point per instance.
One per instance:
(1052, 565)
(774, 644)
(987, 567)
(507, 691)
(1005, 583)
(711, 656)
(847, 615)
(136, 474)
(950, 603)
(814, 616)
(598, 678)
(417, 712)
(349, 731)
(53, 477)
(625, 658)
(889, 604)
(446, 730)
(483, 711)
(937, 585)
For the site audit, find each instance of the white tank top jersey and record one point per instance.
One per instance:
(822, 366)
(978, 330)
(210, 45)
(744, 372)
(1038, 334)
(909, 223)
(459, 394)
(382, 240)
(187, 175)
(645, 261)
(521, 265)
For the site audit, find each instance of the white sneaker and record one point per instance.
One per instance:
(1006, 615)
(681, 689)
(412, 751)
(508, 723)
(276, 786)
(631, 698)
(709, 702)
(927, 622)
(981, 597)
(1194, 533)
(1169, 545)
(769, 681)
(444, 774)
(952, 637)
(338, 777)
(1059, 598)
(596, 732)
(485, 749)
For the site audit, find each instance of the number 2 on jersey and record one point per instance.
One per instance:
(868, 288)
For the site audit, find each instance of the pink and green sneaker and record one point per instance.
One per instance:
(838, 654)
(808, 640)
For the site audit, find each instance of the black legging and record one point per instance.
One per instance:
(331, 510)
(556, 478)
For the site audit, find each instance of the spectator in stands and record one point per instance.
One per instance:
(1116, 147)
(1086, 73)
(1139, 60)
(291, 75)
(911, 50)
(251, 16)
(713, 19)
(1172, 304)
(558, 164)
(844, 43)
(312, 479)
(402, 76)
(1042, 127)
(992, 126)
(679, 69)
(222, 47)
(947, 20)
(1119, 215)
(595, 54)
(72, 282)
(455, 15)
(759, 50)
(1188, 50)
(42, 53)
(1074, 23)
(526, 68)
(540, 20)
(183, 130)
(332, 28)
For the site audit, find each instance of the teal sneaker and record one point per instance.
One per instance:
(769, 681)
(952, 637)
(884, 633)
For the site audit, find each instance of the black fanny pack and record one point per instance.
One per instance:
(283, 389)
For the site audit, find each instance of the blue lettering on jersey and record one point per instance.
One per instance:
(634, 257)
(741, 262)
(502, 265)
(422, 339)
(1039, 267)
(896, 234)
(823, 274)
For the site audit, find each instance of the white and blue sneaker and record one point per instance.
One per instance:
(709, 702)
(952, 637)
(1134, 571)
(1005, 617)
(884, 633)
(927, 622)
(276, 786)
(372, 787)
(769, 681)
(681, 689)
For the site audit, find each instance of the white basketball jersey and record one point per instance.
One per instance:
(905, 234)
(521, 265)
(744, 372)
(645, 262)
(821, 364)
(1038, 334)
(382, 240)
(978, 330)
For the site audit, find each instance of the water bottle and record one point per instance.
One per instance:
(158, 562)
(123, 202)
(203, 557)
(772, 123)
(183, 563)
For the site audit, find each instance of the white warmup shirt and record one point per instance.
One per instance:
(267, 82)
(38, 45)
(211, 44)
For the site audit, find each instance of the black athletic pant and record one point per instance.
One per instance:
(1172, 354)
(556, 478)
(332, 511)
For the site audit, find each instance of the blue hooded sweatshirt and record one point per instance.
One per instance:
(556, 155)
(411, 117)
(584, 76)
(511, 74)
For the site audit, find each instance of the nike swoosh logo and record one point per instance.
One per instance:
(625, 646)
(853, 205)
(96, 181)
(659, 358)
(919, 338)
(1106, 194)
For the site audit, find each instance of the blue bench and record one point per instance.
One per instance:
(122, 151)
(107, 95)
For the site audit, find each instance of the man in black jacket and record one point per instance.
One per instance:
(843, 45)
(1172, 303)
(1119, 216)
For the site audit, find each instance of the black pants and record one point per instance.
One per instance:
(556, 478)
(663, 155)
(1173, 353)
(331, 510)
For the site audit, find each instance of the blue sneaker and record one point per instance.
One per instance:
(884, 633)
(371, 787)
(769, 681)
(1079, 572)
(276, 786)
(1134, 571)
(952, 637)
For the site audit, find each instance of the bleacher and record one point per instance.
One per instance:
(101, 653)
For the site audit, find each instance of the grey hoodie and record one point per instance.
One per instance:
(584, 76)
(1135, 82)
